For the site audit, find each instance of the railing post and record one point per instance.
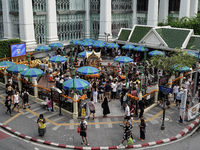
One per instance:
(5, 76)
(75, 106)
(19, 82)
(156, 94)
(35, 88)
(181, 80)
(170, 84)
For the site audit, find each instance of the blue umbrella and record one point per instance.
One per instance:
(141, 49)
(98, 44)
(123, 59)
(76, 42)
(87, 70)
(56, 45)
(181, 69)
(86, 43)
(88, 40)
(6, 63)
(17, 68)
(32, 72)
(112, 45)
(155, 53)
(83, 54)
(42, 48)
(99, 41)
(57, 59)
(79, 84)
(128, 46)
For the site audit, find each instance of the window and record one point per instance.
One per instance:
(0, 5)
(142, 5)
(120, 21)
(70, 26)
(94, 25)
(40, 29)
(39, 5)
(1, 27)
(15, 26)
(65, 5)
(174, 5)
(95, 5)
(121, 5)
(14, 7)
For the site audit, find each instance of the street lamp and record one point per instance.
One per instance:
(145, 65)
(106, 35)
(126, 68)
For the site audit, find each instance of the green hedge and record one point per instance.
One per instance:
(5, 47)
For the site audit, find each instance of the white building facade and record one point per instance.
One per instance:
(40, 22)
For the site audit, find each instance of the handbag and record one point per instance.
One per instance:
(78, 129)
(143, 130)
(102, 105)
(130, 141)
(39, 125)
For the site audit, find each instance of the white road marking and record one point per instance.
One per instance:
(109, 125)
(71, 126)
(55, 128)
(97, 125)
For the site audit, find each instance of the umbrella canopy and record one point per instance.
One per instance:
(79, 84)
(87, 70)
(112, 45)
(17, 68)
(156, 52)
(42, 48)
(141, 49)
(83, 54)
(181, 69)
(98, 44)
(190, 53)
(128, 46)
(56, 45)
(123, 59)
(88, 40)
(86, 43)
(76, 42)
(32, 72)
(57, 59)
(6, 64)
(99, 41)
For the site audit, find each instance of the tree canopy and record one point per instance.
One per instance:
(185, 22)
(178, 58)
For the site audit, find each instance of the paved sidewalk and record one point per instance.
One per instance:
(101, 131)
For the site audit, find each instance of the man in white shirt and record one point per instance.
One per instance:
(114, 90)
(127, 114)
(175, 90)
(187, 83)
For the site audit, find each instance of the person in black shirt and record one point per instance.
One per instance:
(141, 106)
(8, 103)
(142, 127)
(108, 90)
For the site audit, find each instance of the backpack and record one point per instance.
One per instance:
(25, 96)
(83, 128)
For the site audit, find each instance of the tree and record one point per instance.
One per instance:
(185, 22)
(172, 61)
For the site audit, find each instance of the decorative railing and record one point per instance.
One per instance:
(43, 92)
(149, 98)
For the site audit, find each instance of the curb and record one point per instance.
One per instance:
(178, 136)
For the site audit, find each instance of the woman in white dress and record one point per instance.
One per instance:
(95, 93)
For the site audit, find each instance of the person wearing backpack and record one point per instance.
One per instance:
(83, 133)
(92, 108)
(25, 95)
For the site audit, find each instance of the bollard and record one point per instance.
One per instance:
(19, 82)
(156, 94)
(75, 106)
(35, 88)
(181, 80)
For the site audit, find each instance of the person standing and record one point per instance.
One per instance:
(49, 104)
(8, 103)
(105, 107)
(16, 101)
(101, 93)
(92, 108)
(142, 127)
(119, 88)
(41, 125)
(114, 90)
(95, 93)
(175, 91)
(178, 97)
(141, 106)
(83, 133)
(108, 90)
(127, 114)
(25, 96)
(42, 66)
